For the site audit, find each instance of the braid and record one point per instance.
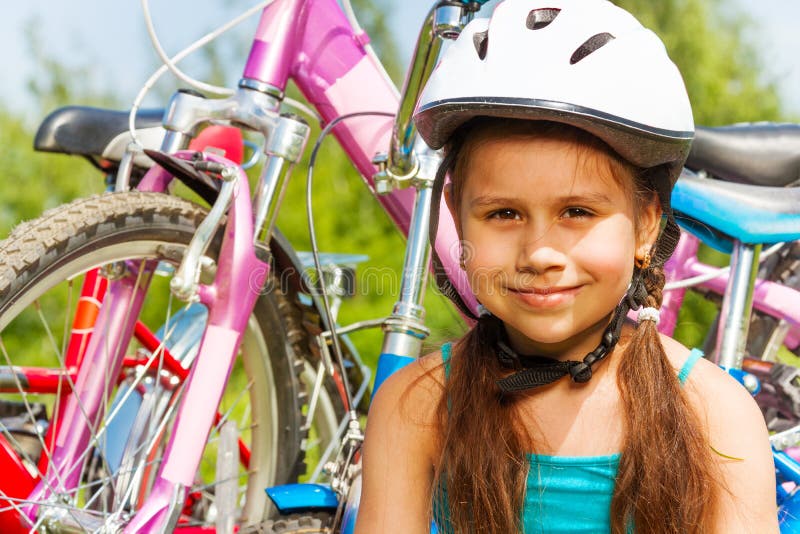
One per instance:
(666, 478)
(654, 279)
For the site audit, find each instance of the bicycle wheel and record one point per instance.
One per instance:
(43, 265)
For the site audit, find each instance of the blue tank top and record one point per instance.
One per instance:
(565, 494)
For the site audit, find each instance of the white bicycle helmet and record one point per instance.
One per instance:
(586, 63)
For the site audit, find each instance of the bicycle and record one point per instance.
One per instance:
(152, 226)
(755, 154)
(175, 223)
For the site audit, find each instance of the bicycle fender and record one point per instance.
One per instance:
(293, 498)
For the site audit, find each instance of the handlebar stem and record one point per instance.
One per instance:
(444, 21)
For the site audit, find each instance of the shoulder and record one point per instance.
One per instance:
(407, 400)
(400, 450)
(420, 381)
(720, 400)
(710, 388)
(739, 439)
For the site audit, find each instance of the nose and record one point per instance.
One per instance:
(541, 252)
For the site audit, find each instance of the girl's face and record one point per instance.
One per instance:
(550, 238)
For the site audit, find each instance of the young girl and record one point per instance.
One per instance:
(565, 126)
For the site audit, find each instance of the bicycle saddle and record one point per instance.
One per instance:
(95, 132)
(748, 213)
(758, 154)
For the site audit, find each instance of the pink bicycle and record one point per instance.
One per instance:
(169, 350)
(90, 282)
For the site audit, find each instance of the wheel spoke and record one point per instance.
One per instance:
(32, 417)
(119, 463)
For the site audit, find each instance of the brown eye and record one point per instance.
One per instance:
(574, 213)
(505, 213)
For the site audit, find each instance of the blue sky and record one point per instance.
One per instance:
(109, 37)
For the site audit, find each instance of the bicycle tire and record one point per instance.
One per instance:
(101, 230)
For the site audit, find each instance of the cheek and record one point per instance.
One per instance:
(481, 246)
(485, 257)
(609, 249)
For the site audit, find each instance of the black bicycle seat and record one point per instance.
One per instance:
(756, 154)
(90, 131)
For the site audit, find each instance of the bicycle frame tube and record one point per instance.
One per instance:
(774, 299)
(230, 300)
(312, 42)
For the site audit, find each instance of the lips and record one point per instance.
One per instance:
(546, 297)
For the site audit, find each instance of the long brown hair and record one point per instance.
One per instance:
(667, 476)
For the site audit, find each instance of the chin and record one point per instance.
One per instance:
(544, 335)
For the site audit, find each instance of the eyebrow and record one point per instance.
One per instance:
(490, 200)
(586, 198)
(589, 198)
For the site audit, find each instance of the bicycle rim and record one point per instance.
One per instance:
(46, 265)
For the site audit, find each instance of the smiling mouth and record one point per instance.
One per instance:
(544, 291)
(546, 297)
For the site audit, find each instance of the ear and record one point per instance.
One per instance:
(649, 226)
(448, 199)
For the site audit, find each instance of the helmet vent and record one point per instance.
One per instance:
(481, 42)
(540, 18)
(592, 43)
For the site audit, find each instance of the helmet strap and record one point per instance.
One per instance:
(439, 272)
(539, 371)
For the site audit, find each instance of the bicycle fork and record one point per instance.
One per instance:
(240, 276)
(404, 333)
(242, 271)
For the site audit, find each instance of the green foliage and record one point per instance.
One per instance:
(33, 182)
(720, 67)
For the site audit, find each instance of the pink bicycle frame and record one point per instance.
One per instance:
(311, 42)
(774, 299)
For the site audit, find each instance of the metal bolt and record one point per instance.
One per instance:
(383, 185)
(330, 468)
(750, 382)
(228, 173)
(114, 271)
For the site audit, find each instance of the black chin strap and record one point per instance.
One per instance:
(540, 370)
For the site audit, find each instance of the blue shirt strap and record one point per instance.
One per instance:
(446, 353)
(694, 355)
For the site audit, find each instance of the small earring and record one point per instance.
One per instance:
(642, 263)
(462, 261)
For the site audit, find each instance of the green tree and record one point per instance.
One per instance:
(722, 71)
